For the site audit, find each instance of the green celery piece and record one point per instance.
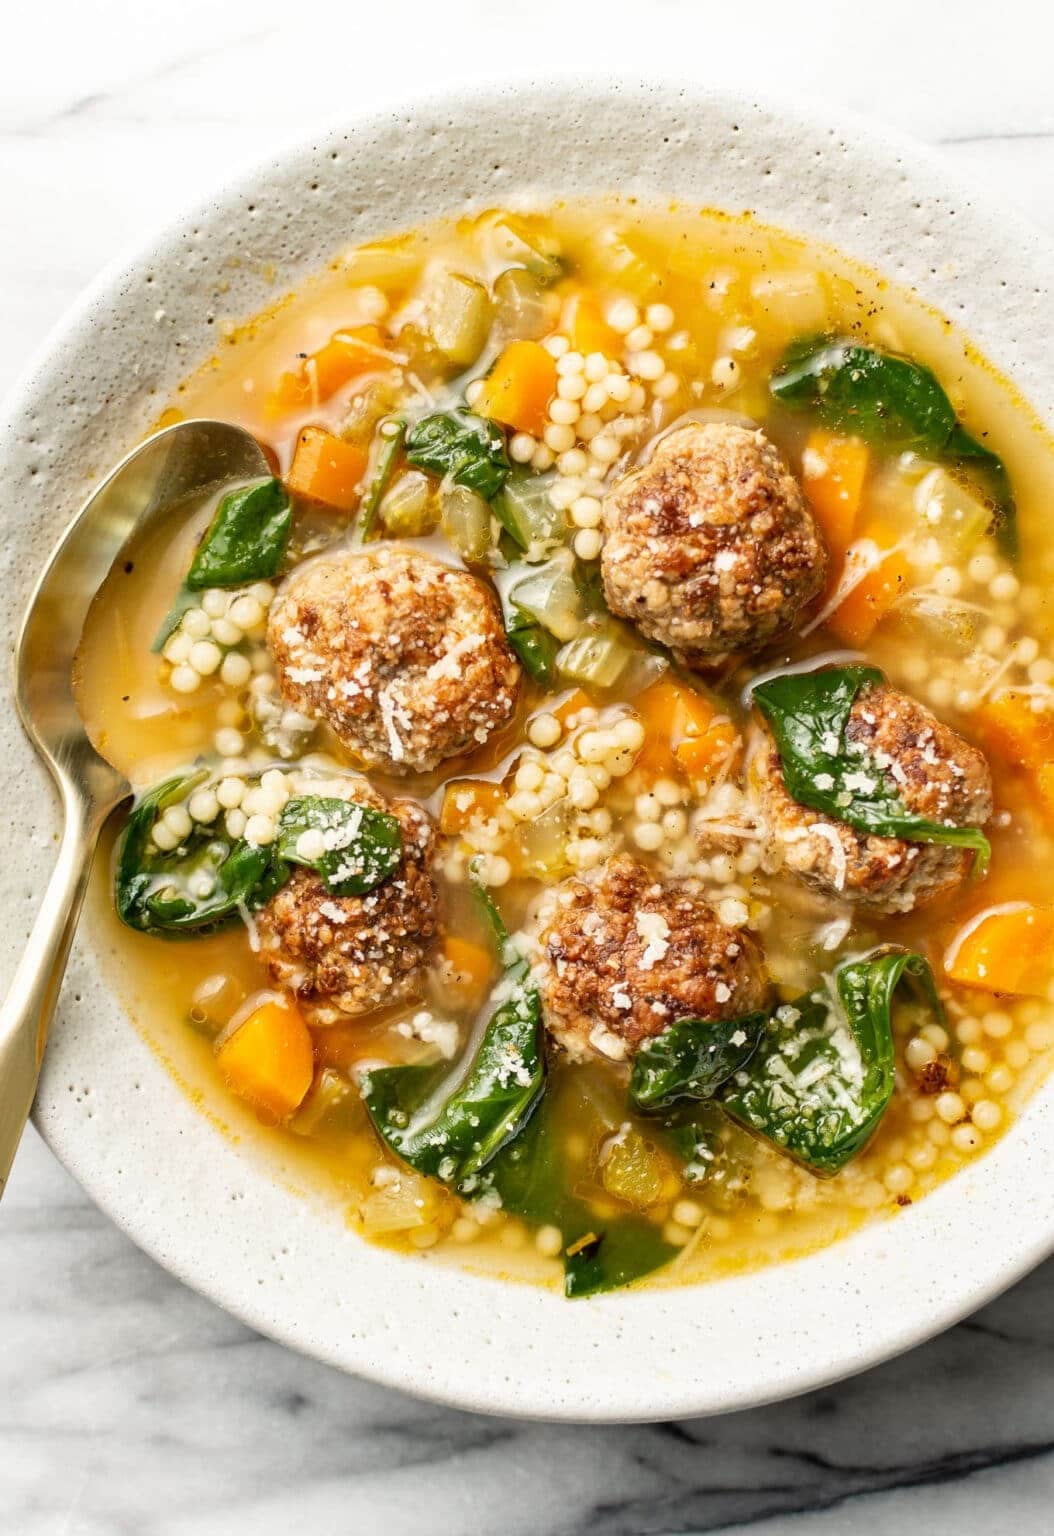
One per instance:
(691, 1059)
(151, 892)
(468, 449)
(807, 713)
(895, 403)
(366, 844)
(387, 458)
(452, 1141)
(823, 1073)
(536, 648)
(247, 538)
(525, 512)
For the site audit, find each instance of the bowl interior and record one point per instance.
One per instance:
(210, 1207)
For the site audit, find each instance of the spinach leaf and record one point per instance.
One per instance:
(529, 1177)
(183, 601)
(822, 1076)
(362, 845)
(614, 1256)
(387, 456)
(536, 647)
(156, 891)
(454, 1139)
(246, 539)
(691, 1059)
(893, 402)
(807, 713)
(468, 449)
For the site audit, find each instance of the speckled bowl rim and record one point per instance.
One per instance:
(206, 1207)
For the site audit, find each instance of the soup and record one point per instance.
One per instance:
(595, 799)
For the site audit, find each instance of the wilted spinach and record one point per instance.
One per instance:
(453, 1137)
(246, 540)
(211, 877)
(155, 890)
(822, 1076)
(530, 1178)
(691, 1059)
(467, 449)
(363, 845)
(895, 403)
(807, 713)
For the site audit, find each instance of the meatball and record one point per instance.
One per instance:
(403, 657)
(710, 547)
(346, 955)
(625, 956)
(935, 772)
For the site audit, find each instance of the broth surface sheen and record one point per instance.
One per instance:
(587, 333)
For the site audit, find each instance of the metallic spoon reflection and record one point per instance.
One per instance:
(190, 459)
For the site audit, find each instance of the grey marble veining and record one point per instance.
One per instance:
(128, 1405)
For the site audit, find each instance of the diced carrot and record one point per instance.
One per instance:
(519, 387)
(326, 469)
(863, 608)
(684, 730)
(1005, 949)
(469, 800)
(833, 471)
(345, 356)
(1013, 730)
(705, 756)
(268, 1059)
(583, 321)
(572, 705)
(471, 965)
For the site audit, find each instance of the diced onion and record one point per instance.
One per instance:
(597, 658)
(550, 596)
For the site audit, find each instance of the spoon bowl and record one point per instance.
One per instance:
(189, 459)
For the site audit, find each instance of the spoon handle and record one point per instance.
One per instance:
(30, 1002)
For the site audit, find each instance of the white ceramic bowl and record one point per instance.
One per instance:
(211, 1209)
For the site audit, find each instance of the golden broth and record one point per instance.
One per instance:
(736, 291)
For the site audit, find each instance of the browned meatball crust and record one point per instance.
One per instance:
(625, 956)
(403, 657)
(347, 955)
(710, 547)
(936, 773)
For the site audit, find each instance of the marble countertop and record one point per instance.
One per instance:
(130, 1406)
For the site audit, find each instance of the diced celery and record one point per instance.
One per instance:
(410, 508)
(524, 308)
(466, 522)
(524, 508)
(542, 844)
(517, 240)
(330, 1101)
(459, 313)
(598, 658)
(952, 514)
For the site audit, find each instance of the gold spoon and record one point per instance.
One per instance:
(187, 460)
